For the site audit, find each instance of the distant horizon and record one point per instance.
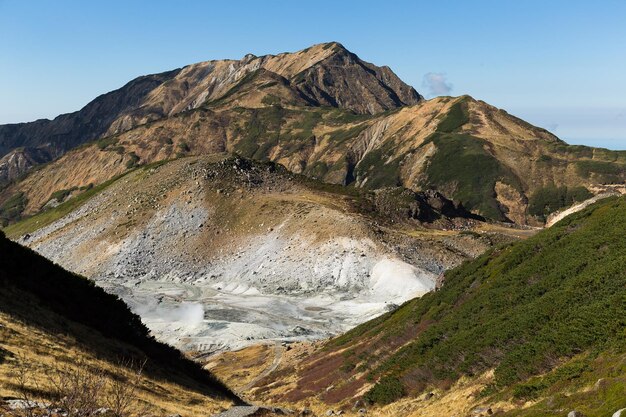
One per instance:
(530, 59)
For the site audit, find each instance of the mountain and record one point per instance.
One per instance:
(221, 252)
(52, 320)
(532, 328)
(322, 75)
(493, 163)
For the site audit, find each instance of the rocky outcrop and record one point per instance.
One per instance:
(323, 75)
(343, 80)
(92, 121)
(218, 254)
(21, 160)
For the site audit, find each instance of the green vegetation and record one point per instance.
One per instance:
(104, 143)
(387, 390)
(261, 132)
(594, 385)
(378, 170)
(11, 210)
(133, 159)
(341, 135)
(62, 194)
(46, 217)
(457, 116)
(606, 171)
(342, 117)
(268, 85)
(318, 170)
(270, 100)
(524, 309)
(549, 199)
(467, 172)
(534, 387)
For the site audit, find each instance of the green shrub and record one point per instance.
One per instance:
(386, 391)
(462, 164)
(457, 116)
(11, 210)
(607, 171)
(106, 142)
(549, 199)
(62, 194)
(132, 161)
(528, 391)
(270, 100)
(520, 309)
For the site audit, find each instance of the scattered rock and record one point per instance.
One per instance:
(26, 405)
(600, 384)
(482, 411)
(575, 413)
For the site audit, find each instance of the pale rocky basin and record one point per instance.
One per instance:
(208, 272)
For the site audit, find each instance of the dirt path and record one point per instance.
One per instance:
(278, 355)
(239, 411)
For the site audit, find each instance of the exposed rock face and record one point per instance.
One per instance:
(343, 80)
(219, 254)
(92, 121)
(20, 160)
(325, 74)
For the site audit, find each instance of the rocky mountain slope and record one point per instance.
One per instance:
(322, 75)
(495, 164)
(532, 328)
(217, 252)
(324, 113)
(53, 321)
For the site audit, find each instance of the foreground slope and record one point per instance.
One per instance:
(322, 75)
(50, 316)
(539, 320)
(216, 252)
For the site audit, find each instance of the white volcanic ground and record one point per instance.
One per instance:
(308, 271)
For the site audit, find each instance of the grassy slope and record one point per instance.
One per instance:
(42, 295)
(48, 216)
(522, 309)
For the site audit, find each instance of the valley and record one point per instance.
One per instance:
(306, 231)
(219, 253)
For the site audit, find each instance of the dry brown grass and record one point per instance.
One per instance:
(46, 353)
(240, 367)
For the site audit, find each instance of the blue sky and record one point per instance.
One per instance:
(558, 64)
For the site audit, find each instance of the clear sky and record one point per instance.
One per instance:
(558, 64)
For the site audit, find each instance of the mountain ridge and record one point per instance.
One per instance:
(493, 163)
(324, 113)
(152, 97)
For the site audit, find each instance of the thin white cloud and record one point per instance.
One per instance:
(437, 84)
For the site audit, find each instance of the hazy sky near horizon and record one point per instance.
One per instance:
(557, 64)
